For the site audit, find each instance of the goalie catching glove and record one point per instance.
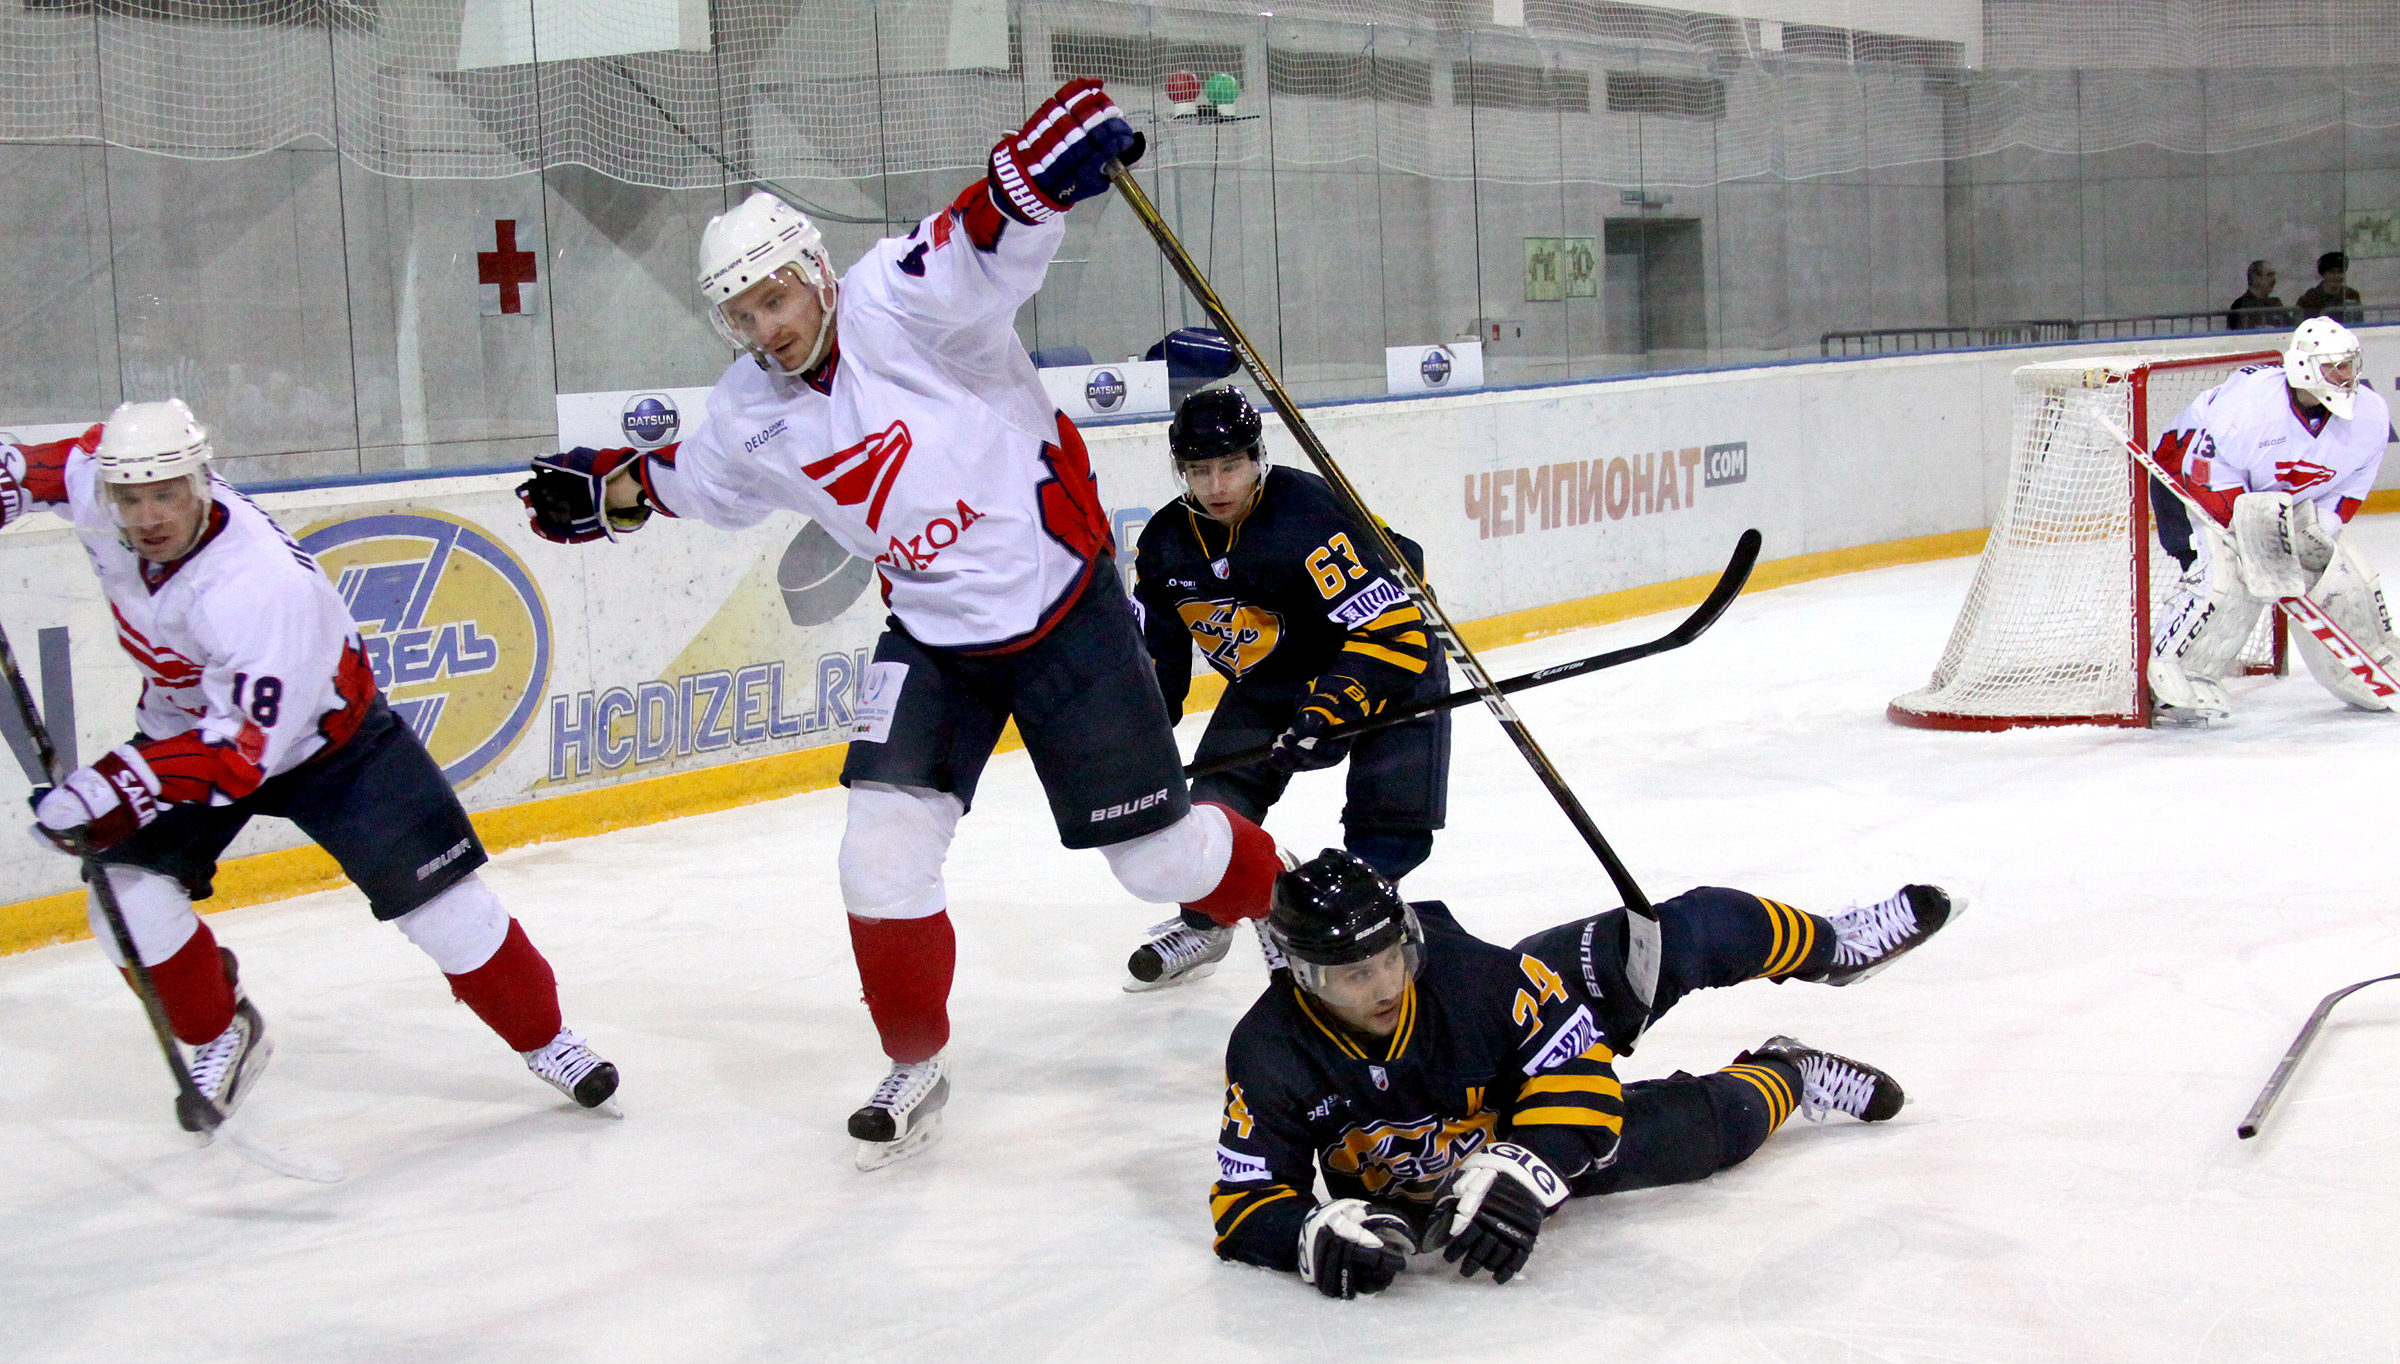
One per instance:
(1349, 1247)
(1494, 1209)
(568, 492)
(1315, 740)
(1061, 155)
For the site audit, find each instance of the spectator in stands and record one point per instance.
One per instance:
(2330, 297)
(2258, 309)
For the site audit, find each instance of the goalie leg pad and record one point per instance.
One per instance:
(893, 847)
(2207, 618)
(2352, 594)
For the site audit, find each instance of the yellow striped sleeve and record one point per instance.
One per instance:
(1568, 1117)
(1555, 1083)
(1258, 1198)
(1398, 615)
(1405, 662)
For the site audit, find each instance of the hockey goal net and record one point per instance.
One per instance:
(2057, 624)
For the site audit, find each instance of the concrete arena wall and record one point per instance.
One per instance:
(552, 681)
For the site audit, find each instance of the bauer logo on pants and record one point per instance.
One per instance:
(453, 625)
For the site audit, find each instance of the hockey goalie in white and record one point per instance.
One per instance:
(2279, 458)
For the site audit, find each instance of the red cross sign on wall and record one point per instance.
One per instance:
(502, 274)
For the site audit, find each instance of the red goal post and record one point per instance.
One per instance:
(2056, 627)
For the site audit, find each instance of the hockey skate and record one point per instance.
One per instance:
(905, 1114)
(1176, 953)
(1868, 938)
(225, 1067)
(1834, 1084)
(572, 1068)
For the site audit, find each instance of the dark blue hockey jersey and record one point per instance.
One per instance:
(1493, 1043)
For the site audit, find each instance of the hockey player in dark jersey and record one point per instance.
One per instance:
(1454, 1093)
(1268, 573)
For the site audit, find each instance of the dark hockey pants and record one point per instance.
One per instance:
(1688, 1127)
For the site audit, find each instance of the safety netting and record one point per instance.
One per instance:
(685, 93)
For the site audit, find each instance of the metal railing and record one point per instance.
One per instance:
(2058, 331)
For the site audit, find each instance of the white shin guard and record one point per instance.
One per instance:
(460, 928)
(2351, 594)
(1180, 863)
(892, 850)
(156, 911)
(2205, 621)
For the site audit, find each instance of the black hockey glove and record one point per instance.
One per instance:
(567, 492)
(1315, 739)
(1349, 1247)
(1494, 1209)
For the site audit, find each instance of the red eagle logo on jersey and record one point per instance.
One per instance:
(2299, 475)
(866, 471)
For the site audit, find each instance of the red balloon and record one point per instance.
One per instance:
(1183, 87)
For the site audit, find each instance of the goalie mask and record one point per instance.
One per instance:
(2322, 361)
(1344, 930)
(765, 241)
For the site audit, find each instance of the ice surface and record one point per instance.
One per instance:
(2153, 916)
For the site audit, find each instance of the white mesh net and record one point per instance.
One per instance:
(2053, 631)
(687, 93)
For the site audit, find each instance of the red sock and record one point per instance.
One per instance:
(1244, 890)
(904, 967)
(515, 992)
(193, 986)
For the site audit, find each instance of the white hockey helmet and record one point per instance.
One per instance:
(758, 237)
(2319, 343)
(154, 442)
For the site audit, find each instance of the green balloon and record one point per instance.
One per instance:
(1223, 88)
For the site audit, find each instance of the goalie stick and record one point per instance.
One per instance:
(189, 1101)
(2299, 609)
(1641, 939)
(1729, 585)
(2257, 1117)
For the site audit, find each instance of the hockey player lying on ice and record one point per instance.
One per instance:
(1454, 1093)
(897, 408)
(2280, 457)
(257, 700)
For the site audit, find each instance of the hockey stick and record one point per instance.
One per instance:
(1641, 948)
(2299, 610)
(2291, 1059)
(1729, 585)
(189, 1101)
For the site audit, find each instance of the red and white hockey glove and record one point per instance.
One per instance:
(1061, 155)
(37, 473)
(99, 806)
(567, 496)
(1494, 1208)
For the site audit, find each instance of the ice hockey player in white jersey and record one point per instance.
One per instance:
(897, 407)
(257, 699)
(2279, 458)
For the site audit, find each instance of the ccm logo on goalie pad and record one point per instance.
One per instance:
(1235, 1168)
(1369, 602)
(1573, 1038)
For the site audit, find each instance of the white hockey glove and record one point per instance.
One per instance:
(1349, 1247)
(1494, 1209)
(2266, 545)
(2313, 541)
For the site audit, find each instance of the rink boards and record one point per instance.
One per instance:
(554, 683)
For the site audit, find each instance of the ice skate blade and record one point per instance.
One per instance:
(874, 1155)
(2178, 717)
(1143, 987)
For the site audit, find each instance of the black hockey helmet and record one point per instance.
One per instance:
(1334, 910)
(1214, 423)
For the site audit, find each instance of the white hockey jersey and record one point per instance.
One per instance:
(926, 443)
(250, 661)
(2248, 434)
